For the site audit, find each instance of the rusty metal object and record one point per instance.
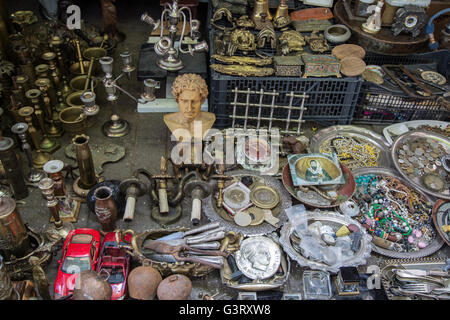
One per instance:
(89, 285)
(143, 282)
(174, 287)
(383, 42)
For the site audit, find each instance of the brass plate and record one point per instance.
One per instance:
(433, 77)
(348, 50)
(264, 197)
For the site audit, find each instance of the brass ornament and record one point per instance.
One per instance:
(244, 40)
(243, 71)
(294, 40)
(243, 60)
(317, 42)
(266, 35)
(244, 22)
(219, 15)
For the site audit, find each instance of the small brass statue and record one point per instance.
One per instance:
(190, 92)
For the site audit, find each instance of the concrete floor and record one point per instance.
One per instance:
(147, 141)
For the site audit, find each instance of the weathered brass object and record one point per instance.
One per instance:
(219, 15)
(294, 40)
(282, 22)
(288, 66)
(244, 71)
(311, 25)
(73, 120)
(244, 22)
(266, 35)
(244, 40)
(261, 13)
(85, 162)
(243, 60)
(317, 42)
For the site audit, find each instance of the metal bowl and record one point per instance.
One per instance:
(368, 136)
(417, 182)
(214, 213)
(359, 258)
(434, 246)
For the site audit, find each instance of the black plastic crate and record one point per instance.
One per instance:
(330, 100)
(377, 107)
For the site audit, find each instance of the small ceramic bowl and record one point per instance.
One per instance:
(337, 33)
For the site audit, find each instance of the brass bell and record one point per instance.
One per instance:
(261, 9)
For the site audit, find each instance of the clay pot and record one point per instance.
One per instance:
(143, 282)
(174, 287)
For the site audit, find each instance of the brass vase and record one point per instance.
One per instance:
(105, 209)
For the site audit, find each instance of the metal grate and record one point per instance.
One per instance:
(264, 109)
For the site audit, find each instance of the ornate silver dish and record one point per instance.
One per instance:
(417, 182)
(434, 246)
(363, 135)
(332, 218)
(214, 213)
(394, 130)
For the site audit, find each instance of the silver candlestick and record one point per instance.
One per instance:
(20, 129)
(166, 45)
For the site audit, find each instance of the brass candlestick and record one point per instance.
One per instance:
(58, 229)
(46, 145)
(27, 113)
(20, 129)
(55, 74)
(87, 178)
(52, 116)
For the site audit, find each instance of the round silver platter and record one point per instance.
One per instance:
(416, 182)
(368, 136)
(209, 207)
(334, 218)
(434, 246)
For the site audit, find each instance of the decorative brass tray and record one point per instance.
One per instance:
(243, 71)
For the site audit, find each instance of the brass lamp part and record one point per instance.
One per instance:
(162, 178)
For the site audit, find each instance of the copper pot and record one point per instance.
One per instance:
(89, 285)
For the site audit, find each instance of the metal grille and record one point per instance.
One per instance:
(263, 108)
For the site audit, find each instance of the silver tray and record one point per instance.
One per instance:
(369, 136)
(416, 181)
(358, 259)
(388, 132)
(267, 284)
(434, 246)
(209, 207)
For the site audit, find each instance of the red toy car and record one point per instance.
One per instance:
(114, 263)
(80, 252)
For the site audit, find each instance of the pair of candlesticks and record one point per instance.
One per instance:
(116, 127)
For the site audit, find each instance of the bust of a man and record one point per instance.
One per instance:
(190, 92)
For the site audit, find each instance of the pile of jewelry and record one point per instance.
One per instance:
(392, 211)
(421, 157)
(352, 152)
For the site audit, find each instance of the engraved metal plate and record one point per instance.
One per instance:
(258, 257)
(264, 197)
